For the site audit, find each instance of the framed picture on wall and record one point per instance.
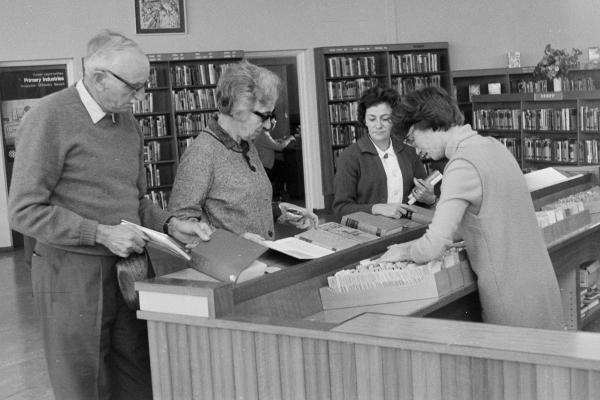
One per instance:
(159, 16)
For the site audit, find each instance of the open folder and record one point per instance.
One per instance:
(228, 257)
(161, 241)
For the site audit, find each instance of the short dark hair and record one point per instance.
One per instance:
(430, 107)
(375, 96)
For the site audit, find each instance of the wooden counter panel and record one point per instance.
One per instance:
(451, 360)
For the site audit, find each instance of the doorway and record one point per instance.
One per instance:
(288, 172)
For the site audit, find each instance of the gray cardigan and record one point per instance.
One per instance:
(215, 181)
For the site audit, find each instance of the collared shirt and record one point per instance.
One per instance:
(92, 107)
(395, 187)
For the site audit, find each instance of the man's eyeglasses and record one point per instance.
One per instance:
(135, 88)
(271, 117)
(409, 140)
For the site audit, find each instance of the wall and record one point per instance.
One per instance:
(480, 32)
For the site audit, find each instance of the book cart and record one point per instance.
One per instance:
(179, 100)
(269, 337)
(343, 73)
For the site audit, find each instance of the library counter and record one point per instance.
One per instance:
(269, 338)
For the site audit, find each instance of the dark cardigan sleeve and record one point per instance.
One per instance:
(346, 183)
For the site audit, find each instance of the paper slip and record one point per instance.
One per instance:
(298, 248)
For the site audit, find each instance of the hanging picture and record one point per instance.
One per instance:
(159, 16)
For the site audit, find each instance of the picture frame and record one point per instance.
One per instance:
(159, 16)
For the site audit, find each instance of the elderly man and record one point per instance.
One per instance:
(78, 172)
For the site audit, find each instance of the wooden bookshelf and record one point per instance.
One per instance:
(523, 98)
(343, 73)
(543, 129)
(180, 99)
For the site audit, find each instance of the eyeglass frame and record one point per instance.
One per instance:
(271, 117)
(126, 82)
(409, 139)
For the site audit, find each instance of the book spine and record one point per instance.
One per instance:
(352, 223)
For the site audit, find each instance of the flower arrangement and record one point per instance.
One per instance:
(556, 63)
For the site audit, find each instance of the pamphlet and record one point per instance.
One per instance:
(298, 248)
(161, 241)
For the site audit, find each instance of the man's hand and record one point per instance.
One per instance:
(190, 232)
(121, 240)
(299, 217)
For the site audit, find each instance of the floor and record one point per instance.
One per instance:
(23, 373)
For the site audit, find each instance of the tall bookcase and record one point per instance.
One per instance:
(179, 100)
(343, 73)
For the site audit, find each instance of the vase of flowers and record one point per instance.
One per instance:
(556, 64)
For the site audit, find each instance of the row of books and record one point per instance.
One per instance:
(550, 119)
(158, 197)
(550, 149)
(145, 105)
(529, 86)
(153, 126)
(415, 63)
(199, 99)
(197, 74)
(589, 150)
(350, 89)
(152, 175)
(589, 118)
(577, 85)
(191, 124)
(152, 151)
(505, 118)
(157, 77)
(344, 135)
(405, 86)
(512, 144)
(338, 67)
(343, 112)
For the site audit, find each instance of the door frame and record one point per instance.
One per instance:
(307, 94)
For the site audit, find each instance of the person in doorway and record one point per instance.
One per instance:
(485, 201)
(78, 172)
(266, 146)
(221, 178)
(376, 174)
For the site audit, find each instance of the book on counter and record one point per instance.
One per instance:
(377, 225)
(228, 257)
(321, 241)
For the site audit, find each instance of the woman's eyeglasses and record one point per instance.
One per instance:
(271, 117)
(409, 140)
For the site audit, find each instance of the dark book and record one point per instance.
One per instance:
(226, 256)
(376, 224)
